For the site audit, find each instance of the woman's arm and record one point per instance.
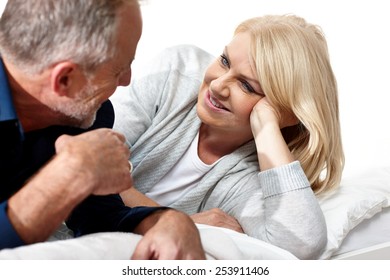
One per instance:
(266, 124)
(213, 217)
(133, 198)
(278, 206)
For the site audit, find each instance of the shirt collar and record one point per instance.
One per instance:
(7, 109)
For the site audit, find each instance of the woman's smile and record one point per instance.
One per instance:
(214, 103)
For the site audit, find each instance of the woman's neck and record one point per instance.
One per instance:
(215, 143)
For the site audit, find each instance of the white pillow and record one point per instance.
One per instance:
(359, 197)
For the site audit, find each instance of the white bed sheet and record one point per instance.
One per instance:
(218, 243)
(221, 244)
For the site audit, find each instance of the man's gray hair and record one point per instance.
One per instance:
(35, 34)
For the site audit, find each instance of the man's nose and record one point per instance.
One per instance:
(125, 78)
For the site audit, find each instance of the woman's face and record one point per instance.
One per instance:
(230, 89)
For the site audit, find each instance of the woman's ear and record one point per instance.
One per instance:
(64, 77)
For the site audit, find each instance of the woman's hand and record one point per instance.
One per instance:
(216, 217)
(264, 113)
(266, 123)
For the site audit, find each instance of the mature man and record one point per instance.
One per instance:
(60, 62)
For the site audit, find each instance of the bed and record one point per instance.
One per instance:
(358, 212)
(357, 216)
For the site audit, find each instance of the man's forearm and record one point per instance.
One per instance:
(152, 219)
(43, 203)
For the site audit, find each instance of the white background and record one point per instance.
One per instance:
(357, 34)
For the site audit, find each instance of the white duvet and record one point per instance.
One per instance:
(222, 244)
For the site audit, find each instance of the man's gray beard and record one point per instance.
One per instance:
(87, 123)
(77, 114)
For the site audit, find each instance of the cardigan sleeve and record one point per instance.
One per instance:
(278, 206)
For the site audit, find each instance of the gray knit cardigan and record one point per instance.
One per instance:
(157, 114)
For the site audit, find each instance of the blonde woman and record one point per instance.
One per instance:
(244, 141)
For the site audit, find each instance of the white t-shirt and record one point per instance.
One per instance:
(184, 176)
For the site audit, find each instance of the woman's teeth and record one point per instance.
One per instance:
(216, 104)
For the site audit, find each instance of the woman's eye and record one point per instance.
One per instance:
(247, 87)
(224, 60)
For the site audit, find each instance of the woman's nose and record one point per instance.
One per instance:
(219, 86)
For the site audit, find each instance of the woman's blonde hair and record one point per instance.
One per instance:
(294, 71)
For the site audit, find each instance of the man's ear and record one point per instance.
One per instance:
(63, 78)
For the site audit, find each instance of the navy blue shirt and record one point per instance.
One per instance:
(22, 154)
